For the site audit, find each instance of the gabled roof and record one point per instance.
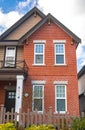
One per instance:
(37, 26)
(53, 19)
(19, 22)
(81, 72)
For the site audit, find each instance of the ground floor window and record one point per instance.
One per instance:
(60, 101)
(38, 95)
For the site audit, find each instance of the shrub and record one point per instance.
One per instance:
(41, 127)
(7, 126)
(78, 123)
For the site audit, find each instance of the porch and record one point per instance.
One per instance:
(11, 84)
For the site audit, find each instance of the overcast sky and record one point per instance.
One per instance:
(70, 12)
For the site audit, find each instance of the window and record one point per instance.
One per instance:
(11, 95)
(59, 54)
(60, 98)
(10, 56)
(38, 97)
(39, 54)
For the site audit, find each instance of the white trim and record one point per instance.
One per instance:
(59, 41)
(62, 112)
(59, 54)
(60, 82)
(37, 98)
(8, 55)
(38, 64)
(43, 54)
(19, 93)
(39, 82)
(20, 77)
(39, 41)
(60, 65)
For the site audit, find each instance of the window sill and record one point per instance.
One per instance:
(61, 112)
(60, 64)
(38, 111)
(38, 64)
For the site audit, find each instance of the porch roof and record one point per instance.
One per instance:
(10, 72)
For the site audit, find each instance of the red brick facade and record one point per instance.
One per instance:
(50, 72)
(47, 29)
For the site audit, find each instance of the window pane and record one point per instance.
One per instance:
(60, 91)
(59, 59)
(10, 56)
(38, 91)
(60, 105)
(10, 51)
(38, 104)
(59, 48)
(39, 48)
(11, 95)
(39, 59)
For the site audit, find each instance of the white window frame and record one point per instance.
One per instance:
(43, 54)
(60, 98)
(10, 62)
(38, 97)
(60, 53)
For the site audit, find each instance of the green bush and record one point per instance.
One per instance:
(78, 123)
(7, 126)
(41, 127)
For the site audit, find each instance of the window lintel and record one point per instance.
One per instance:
(60, 82)
(59, 41)
(40, 82)
(39, 41)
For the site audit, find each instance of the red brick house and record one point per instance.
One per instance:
(38, 65)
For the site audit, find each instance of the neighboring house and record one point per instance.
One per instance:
(38, 65)
(81, 86)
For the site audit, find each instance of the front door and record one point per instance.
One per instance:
(10, 99)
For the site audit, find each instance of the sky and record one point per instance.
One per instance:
(69, 12)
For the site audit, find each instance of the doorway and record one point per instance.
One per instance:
(10, 100)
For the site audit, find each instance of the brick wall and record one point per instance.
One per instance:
(49, 72)
(2, 94)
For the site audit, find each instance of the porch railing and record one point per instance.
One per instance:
(19, 64)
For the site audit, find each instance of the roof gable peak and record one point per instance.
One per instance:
(50, 18)
(34, 11)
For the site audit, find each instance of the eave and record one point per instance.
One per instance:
(9, 43)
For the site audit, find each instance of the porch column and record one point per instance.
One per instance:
(19, 92)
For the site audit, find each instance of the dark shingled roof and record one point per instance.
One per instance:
(37, 26)
(49, 16)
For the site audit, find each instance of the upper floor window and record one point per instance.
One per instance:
(10, 56)
(60, 98)
(60, 54)
(39, 54)
(38, 97)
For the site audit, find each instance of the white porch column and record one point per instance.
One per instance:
(19, 92)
